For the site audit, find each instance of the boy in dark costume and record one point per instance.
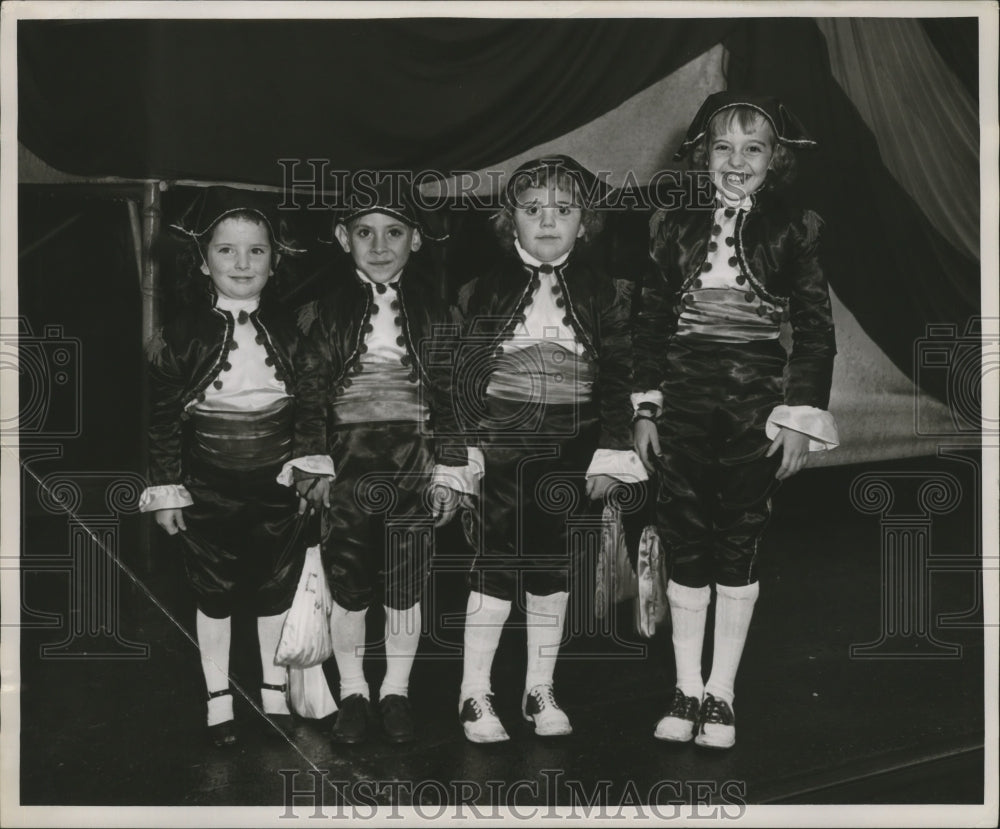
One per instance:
(365, 455)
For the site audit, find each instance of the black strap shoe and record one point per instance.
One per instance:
(397, 718)
(282, 725)
(223, 734)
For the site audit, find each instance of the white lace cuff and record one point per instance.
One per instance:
(313, 464)
(622, 464)
(461, 478)
(646, 397)
(165, 496)
(818, 424)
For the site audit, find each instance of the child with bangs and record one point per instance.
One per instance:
(221, 379)
(723, 413)
(544, 378)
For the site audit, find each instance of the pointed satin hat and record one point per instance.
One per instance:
(213, 204)
(786, 126)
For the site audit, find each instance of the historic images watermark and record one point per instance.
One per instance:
(960, 363)
(409, 538)
(907, 504)
(313, 794)
(93, 505)
(312, 184)
(49, 378)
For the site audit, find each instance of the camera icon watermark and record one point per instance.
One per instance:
(957, 363)
(49, 381)
(94, 506)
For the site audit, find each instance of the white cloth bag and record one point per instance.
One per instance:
(309, 694)
(305, 637)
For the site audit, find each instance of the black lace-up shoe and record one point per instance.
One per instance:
(352, 720)
(397, 718)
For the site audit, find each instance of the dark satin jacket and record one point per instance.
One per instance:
(334, 328)
(189, 354)
(596, 309)
(778, 248)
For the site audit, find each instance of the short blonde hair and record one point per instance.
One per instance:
(591, 220)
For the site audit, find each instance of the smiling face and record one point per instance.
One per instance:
(547, 222)
(238, 258)
(739, 155)
(379, 244)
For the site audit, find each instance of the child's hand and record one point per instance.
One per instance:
(646, 439)
(598, 486)
(313, 493)
(794, 451)
(171, 520)
(444, 503)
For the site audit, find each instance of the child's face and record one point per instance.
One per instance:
(547, 222)
(238, 258)
(379, 244)
(738, 161)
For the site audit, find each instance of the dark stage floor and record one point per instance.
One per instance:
(899, 723)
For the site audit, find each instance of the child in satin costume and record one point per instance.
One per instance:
(365, 453)
(546, 378)
(221, 379)
(723, 414)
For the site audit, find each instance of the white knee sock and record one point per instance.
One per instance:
(545, 617)
(213, 645)
(402, 635)
(733, 611)
(347, 628)
(484, 620)
(688, 611)
(268, 634)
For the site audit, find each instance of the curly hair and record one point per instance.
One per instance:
(194, 286)
(591, 220)
(782, 169)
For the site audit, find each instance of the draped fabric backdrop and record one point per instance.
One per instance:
(223, 100)
(893, 103)
(925, 122)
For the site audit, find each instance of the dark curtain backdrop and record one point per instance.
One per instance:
(223, 100)
(957, 41)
